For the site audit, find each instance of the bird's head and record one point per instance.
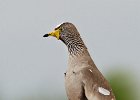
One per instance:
(69, 35)
(64, 32)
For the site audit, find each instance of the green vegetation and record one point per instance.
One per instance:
(123, 85)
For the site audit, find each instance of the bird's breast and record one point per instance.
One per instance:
(73, 85)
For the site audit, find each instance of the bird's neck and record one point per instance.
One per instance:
(78, 61)
(78, 55)
(75, 46)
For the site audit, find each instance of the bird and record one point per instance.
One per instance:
(83, 80)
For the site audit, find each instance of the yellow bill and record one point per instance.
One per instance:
(55, 33)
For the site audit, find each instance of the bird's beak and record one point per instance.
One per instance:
(55, 33)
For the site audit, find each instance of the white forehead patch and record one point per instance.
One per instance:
(103, 91)
(59, 25)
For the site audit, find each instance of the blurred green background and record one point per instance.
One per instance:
(123, 84)
(32, 67)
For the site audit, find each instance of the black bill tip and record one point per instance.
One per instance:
(46, 35)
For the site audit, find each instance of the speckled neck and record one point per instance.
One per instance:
(75, 45)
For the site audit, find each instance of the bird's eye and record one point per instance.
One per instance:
(62, 34)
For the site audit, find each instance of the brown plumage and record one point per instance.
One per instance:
(83, 81)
